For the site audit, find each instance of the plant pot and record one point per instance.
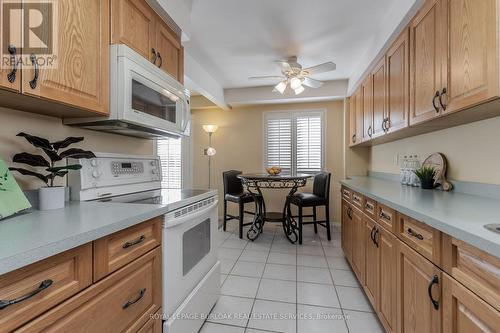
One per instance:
(427, 184)
(51, 197)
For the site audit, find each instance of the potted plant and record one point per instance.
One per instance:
(50, 196)
(426, 175)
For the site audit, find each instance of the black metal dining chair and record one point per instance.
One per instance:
(234, 192)
(320, 196)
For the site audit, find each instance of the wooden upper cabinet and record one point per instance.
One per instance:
(169, 50)
(419, 286)
(398, 83)
(367, 96)
(359, 115)
(379, 99)
(81, 77)
(9, 78)
(133, 24)
(464, 312)
(352, 120)
(388, 257)
(426, 49)
(471, 61)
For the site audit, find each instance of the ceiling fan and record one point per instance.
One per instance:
(295, 77)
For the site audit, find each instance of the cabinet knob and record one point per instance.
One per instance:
(11, 77)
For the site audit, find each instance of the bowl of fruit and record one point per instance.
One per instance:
(273, 171)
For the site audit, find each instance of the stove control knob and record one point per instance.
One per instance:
(154, 171)
(153, 163)
(96, 174)
(93, 162)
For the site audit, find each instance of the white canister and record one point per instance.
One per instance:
(51, 197)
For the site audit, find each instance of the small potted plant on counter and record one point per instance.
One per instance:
(50, 196)
(426, 175)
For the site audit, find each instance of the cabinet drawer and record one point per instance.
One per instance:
(477, 270)
(124, 299)
(370, 207)
(153, 325)
(357, 200)
(346, 193)
(386, 217)
(115, 251)
(49, 281)
(422, 238)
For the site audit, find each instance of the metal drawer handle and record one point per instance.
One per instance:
(134, 242)
(357, 199)
(349, 212)
(142, 292)
(435, 280)
(369, 206)
(370, 131)
(44, 285)
(375, 236)
(443, 105)
(11, 77)
(371, 234)
(34, 62)
(354, 138)
(155, 55)
(161, 60)
(385, 216)
(434, 102)
(411, 232)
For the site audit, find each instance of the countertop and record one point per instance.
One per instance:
(460, 215)
(36, 235)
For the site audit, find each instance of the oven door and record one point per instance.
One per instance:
(189, 250)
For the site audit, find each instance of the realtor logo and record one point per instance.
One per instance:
(29, 33)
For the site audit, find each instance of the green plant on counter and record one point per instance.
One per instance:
(425, 173)
(51, 149)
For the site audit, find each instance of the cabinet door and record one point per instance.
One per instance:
(133, 24)
(379, 98)
(426, 48)
(398, 83)
(352, 120)
(346, 230)
(464, 312)
(367, 95)
(358, 244)
(419, 284)
(359, 115)
(81, 77)
(169, 50)
(372, 260)
(10, 78)
(471, 63)
(387, 305)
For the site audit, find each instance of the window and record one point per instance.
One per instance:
(294, 141)
(170, 153)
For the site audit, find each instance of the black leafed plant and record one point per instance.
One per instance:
(52, 151)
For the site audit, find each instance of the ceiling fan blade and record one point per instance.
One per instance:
(284, 64)
(322, 68)
(312, 82)
(266, 77)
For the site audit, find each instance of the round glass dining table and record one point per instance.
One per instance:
(254, 183)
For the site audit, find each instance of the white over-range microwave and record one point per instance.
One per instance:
(144, 100)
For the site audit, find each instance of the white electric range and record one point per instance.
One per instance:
(191, 270)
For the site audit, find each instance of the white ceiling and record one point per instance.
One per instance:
(235, 39)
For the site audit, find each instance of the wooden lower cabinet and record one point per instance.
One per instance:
(372, 260)
(358, 245)
(419, 293)
(388, 257)
(346, 229)
(154, 324)
(464, 312)
(124, 299)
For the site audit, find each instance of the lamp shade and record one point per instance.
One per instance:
(210, 128)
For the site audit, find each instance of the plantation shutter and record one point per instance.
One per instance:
(309, 144)
(279, 143)
(170, 153)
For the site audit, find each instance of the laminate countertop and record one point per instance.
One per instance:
(459, 215)
(36, 235)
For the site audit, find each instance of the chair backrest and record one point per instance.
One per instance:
(232, 184)
(321, 185)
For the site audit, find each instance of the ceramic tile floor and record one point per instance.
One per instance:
(271, 285)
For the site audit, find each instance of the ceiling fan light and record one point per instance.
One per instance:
(299, 90)
(295, 83)
(280, 87)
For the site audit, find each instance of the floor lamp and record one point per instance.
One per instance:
(210, 151)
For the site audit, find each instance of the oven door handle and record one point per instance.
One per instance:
(176, 221)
